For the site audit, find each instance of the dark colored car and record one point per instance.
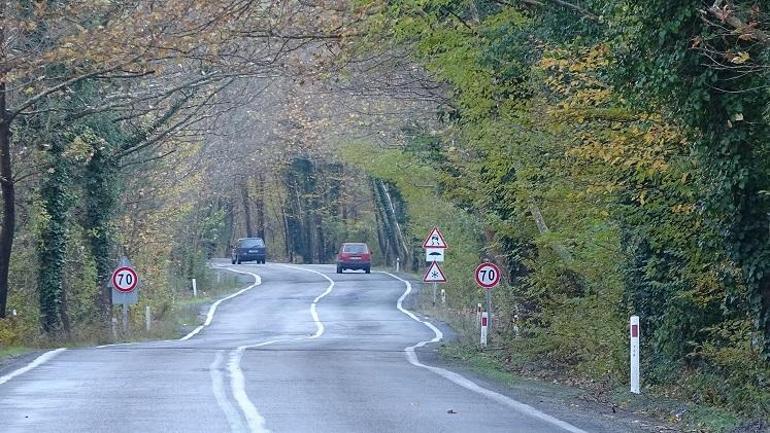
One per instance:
(354, 256)
(249, 250)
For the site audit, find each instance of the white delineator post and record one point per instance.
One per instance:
(443, 296)
(478, 314)
(114, 323)
(634, 332)
(147, 318)
(398, 264)
(484, 324)
(195, 288)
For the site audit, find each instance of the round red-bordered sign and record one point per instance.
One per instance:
(124, 279)
(487, 275)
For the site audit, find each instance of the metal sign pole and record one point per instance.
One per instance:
(125, 319)
(434, 294)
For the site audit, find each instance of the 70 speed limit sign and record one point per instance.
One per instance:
(124, 279)
(487, 275)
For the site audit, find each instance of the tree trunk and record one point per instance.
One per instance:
(52, 250)
(400, 246)
(247, 208)
(100, 198)
(9, 201)
(286, 236)
(321, 244)
(260, 205)
(229, 225)
(381, 240)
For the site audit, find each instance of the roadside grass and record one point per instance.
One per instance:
(687, 417)
(170, 320)
(187, 312)
(519, 371)
(9, 352)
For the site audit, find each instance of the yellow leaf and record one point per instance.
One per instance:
(740, 58)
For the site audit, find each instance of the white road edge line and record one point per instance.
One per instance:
(218, 386)
(213, 308)
(40, 360)
(115, 345)
(458, 379)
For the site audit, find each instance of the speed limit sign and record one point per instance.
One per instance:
(487, 275)
(124, 279)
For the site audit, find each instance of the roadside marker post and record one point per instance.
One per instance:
(443, 297)
(484, 326)
(398, 263)
(478, 314)
(634, 334)
(147, 318)
(195, 288)
(114, 323)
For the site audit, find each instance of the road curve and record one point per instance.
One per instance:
(304, 350)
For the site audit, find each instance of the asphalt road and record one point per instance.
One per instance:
(306, 350)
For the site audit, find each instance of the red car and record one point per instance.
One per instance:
(354, 256)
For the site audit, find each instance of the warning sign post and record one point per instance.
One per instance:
(435, 248)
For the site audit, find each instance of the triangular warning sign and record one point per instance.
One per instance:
(434, 274)
(435, 239)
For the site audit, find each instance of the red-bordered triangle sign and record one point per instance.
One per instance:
(434, 274)
(435, 239)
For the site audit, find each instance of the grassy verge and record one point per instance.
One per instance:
(184, 314)
(170, 319)
(10, 352)
(518, 371)
(653, 404)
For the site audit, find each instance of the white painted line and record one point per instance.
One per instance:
(314, 305)
(254, 420)
(40, 360)
(458, 379)
(213, 308)
(114, 345)
(218, 386)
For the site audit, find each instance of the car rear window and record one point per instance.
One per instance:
(355, 248)
(251, 243)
